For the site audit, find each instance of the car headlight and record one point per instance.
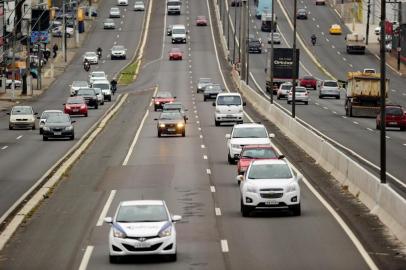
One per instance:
(157, 102)
(165, 232)
(46, 128)
(291, 188)
(252, 189)
(118, 233)
(180, 125)
(236, 146)
(162, 125)
(69, 128)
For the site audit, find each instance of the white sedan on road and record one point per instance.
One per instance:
(22, 117)
(118, 51)
(115, 12)
(122, 2)
(97, 75)
(269, 184)
(139, 6)
(142, 227)
(246, 134)
(91, 57)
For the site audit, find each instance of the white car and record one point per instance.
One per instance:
(122, 2)
(44, 116)
(118, 51)
(139, 6)
(105, 87)
(99, 95)
(97, 75)
(22, 117)
(377, 30)
(114, 12)
(109, 24)
(143, 227)
(283, 90)
(229, 108)
(329, 88)
(91, 57)
(246, 134)
(76, 85)
(58, 31)
(269, 184)
(301, 95)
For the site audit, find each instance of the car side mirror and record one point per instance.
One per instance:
(108, 219)
(38, 117)
(281, 156)
(239, 178)
(176, 218)
(237, 156)
(244, 103)
(74, 121)
(299, 177)
(228, 136)
(272, 135)
(214, 104)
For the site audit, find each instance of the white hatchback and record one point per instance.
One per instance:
(21, 117)
(142, 227)
(122, 2)
(270, 184)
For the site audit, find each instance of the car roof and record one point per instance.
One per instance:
(21, 106)
(142, 202)
(269, 161)
(50, 111)
(178, 26)
(229, 94)
(248, 125)
(250, 146)
(101, 81)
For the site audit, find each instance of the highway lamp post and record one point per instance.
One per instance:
(382, 93)
(247, 17)
(235, 32)
(239, 33)
(243, 41)
(271, 55)
(294, 64)
(368, 15)
(228, 31)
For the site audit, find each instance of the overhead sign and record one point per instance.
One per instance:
(283, 63)
(39, 37)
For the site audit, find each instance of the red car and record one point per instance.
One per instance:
(308, 82)
(161, 98)
(395, 117)
(175, 54)
(254, 152)
(201, 21)
(75, 106)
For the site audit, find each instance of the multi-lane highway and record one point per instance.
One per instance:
(128, 162)
(358, 135)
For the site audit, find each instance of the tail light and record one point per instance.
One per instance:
(306, 94)
(83, 106)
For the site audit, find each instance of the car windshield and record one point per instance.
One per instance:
(46, 114)
(201, 18)
(85, 92)
(179, 31)
(113, 9)
(163, 95)
(109, 21)
(170, 116)
(75, 100)
(21, 110)
(270, 171)
(139, 3)
(229, 100)
(331, 84)
(213, 88)
(174, 3)
(255, 42)
(98, 74)
(175, 50)
(142, 213)
(58, 118)
(250, 132)
(300, 89)
(205, 80)
(97, 90)
(308, 78)
(90, 54)
(394, 111)
(118, 48)
(286, 86)
(275, 35)
(258, 153)
(80, 84)
(101, 85)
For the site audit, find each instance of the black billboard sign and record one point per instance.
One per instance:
(283, 63)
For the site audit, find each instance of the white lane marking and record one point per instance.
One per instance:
(224, 246)
(86, 258)
(115, 42)
(313, 19)
(334, 112)
(217, 211)
(404, 94)
(344, 59)
(19, 137)
(118, 35)
(332, 46)
(339, 53)
(355, 122)
(202, 146)
(317, 103)
(106, 208)
(325, 108)
(204, 157)
(130, 151)
(104, 61)
(197, 122)
(404, 144)
(199, 128)
(201, 136)
(345, 117)
(350, 65)
(212, 189)
(318, 26)
(387, 137)
(393, 90)
(327, 40)
(196, 116)
(370, 129)
(208, 171)
(4, 147)
(322, 33)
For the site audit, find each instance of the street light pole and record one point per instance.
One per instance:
(368, 15)
(247, 15)
(235, 32)
(383, 94)
(399, 34)
(294, 61)
(271, 65)
(243, 41)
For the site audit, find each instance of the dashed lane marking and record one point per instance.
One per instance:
(224, 246)
(19, 137)
(355, 122)
(202, 146)
(86, 258)
(217, 210)
(212, 189)
(325, 108)
(370, 129)
(201, 136)
(4, 147)
(334, 112)
(208, 171)
(106, 208)
(204, 156)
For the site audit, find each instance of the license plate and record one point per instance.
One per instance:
(57, 133)
(229, 116)
(392, 123)
(75, 110)
(142, 245)
(271, 202)
(171, 129)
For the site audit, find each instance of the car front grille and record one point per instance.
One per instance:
(57, 129)
(134, 249)
(142, 238)
(271, 195)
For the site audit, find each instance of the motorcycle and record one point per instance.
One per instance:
(313, 40)
(86, 66)
(113, 88)
(99, 54)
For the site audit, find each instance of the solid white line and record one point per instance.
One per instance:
(19, 137)
(212, 189)
(86, 257)
(325, 108)
(199, 128)
(404, 144)
(204, 156)
(217, 211)
(197, 122)
(355, 122)
(196, 116)
(208, 171)
(201, 136)
(387, 137)
(4, 147)
(106, 208)
(334, 112)
(127, 157)
(370, 129)
(224, 246)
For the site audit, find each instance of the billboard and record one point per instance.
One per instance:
(39, 36)
(283, 63)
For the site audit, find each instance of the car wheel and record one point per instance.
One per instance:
(102, 103)
(155, 108)
(337, 97)
(245, 210)
(33, 127)
(320, 96)
(72, 137)
(44, 138)
(85, 114)
(183, 133)
(40, 131)
(230, 159)
(278, 97)
(113, 259)
(204, 98)
(10, 127)
(96, 106)
(217, 123)
(172, 257)
(402, 128)
(296, 210)
(159, 133)
(378, 126)
(109, 98)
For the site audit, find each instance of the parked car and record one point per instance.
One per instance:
(395, 116)
(45, 114)
(109, 24)
(142, 227)
(175, 54)
(171, 123)
(139, 6)
(22, 117)
(114, 12)
(175, 106)
(329, 88)
(308, 82)
(211, 91)
(118, 52)
(301, 14)
(202, 82)
(89, 94)
(58, 126)
(301, 95)
(76, 106)
(76, 85)
(201, 20)
(250, 153)
(161, 98)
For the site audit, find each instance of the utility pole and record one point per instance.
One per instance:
(247, 15)
(239, 33)
(368, 15)
(64, 49)
(228, 32)
(399, 48)
(13, 61)
(235, 33)
(353, 15)
(243, 41)
(294, 62)
(27, 63)
(271, 65)
(383, 92)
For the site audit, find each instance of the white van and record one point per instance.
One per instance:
(174, 7)
(229, 108)
(105, 87)
(178, 33)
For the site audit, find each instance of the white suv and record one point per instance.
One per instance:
(246, 134)
(229, 108)
(269, 185)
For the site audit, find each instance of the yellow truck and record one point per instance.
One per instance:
(363, 94)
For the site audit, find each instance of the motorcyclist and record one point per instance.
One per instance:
(86, 65)
(99, 52)
(314, 39)
(113, 84)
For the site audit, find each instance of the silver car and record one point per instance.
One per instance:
(76, 85)
(276, 38)
(329, 88)
(139, 6)
(283, 90)
(202, 83)
(109, 24)
(118, 51)
(115, 12)
(301, 95)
